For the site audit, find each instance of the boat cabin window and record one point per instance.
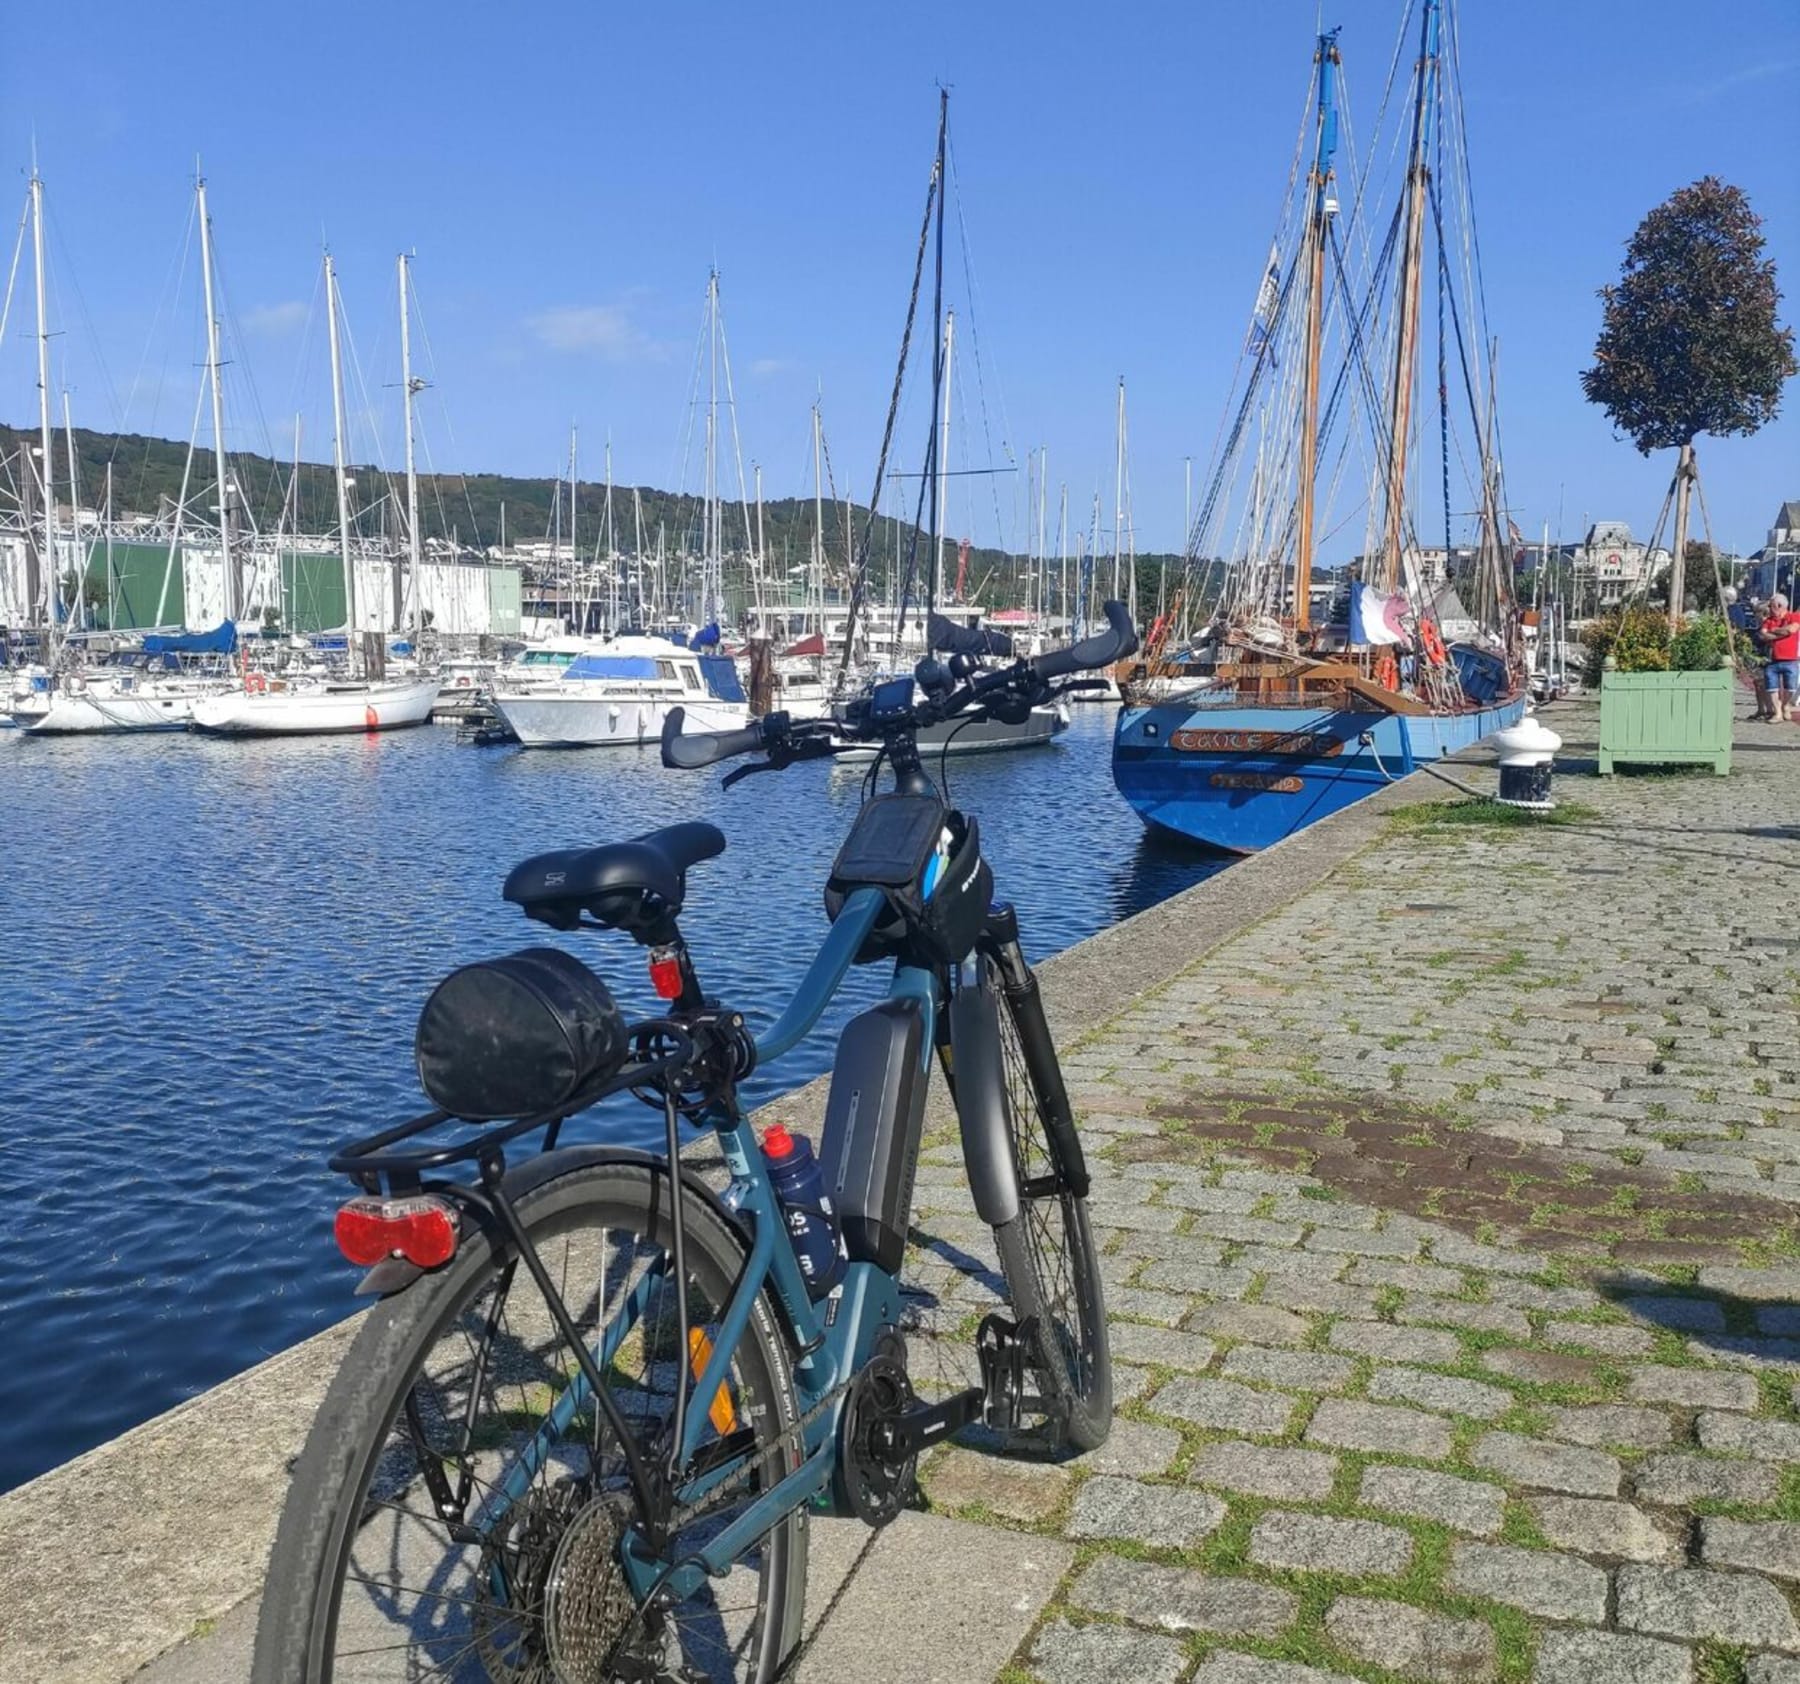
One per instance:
(666, 670)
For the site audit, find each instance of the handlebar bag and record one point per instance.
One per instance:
(518, 1036)
(888, 848)
(953, 916)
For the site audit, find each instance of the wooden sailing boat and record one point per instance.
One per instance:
(1298, 719)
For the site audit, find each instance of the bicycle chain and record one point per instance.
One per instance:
(727, 1487)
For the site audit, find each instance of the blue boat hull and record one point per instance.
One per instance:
(1241, 777)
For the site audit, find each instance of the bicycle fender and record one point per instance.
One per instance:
(980, 1087)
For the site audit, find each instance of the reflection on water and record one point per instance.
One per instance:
(212, 955)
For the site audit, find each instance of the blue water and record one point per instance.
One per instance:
(213, 953)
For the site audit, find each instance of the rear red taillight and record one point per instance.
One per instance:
(420, 1229)
(665, 972)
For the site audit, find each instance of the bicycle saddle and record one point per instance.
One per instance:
(636, 886)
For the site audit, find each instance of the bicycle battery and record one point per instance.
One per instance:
(873, 1120)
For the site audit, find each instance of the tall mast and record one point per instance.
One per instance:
(1118, 489)
(940, 493)
(818, 549)
(78, 607)
(612, 551)
(940, 372)
(762, 557)
(574, 540)
(232, 581)
(713, 559)
(412, 388)
(52, 586)
(351, 627)
(1318, 230)
(1406, 347)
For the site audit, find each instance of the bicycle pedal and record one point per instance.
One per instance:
(1003, 1349)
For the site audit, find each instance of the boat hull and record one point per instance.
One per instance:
(316, 713)
(1240, 778)
(81, 713)
(543, 719)
(984, 736)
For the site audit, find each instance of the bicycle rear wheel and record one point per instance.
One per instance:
(468, 1370)
(1047, 1251)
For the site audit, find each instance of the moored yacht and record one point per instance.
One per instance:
(620, 692)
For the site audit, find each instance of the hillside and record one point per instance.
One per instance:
(147, 474)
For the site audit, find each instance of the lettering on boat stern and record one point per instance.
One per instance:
(1310, 745)
(1256, 780)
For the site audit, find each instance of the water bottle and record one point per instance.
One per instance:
(812, 1224)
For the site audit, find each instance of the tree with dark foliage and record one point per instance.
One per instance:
(1690, 343)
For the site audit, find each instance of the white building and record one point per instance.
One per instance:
(1611, 565)
(1774, 569)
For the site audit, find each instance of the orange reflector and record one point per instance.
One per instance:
(719, 1411)
(371, 1230)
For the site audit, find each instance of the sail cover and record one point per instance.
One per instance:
(221, 640)
(948, 638)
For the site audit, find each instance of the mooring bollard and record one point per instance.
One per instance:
(1527, 756)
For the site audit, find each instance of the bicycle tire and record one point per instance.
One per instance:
(331, 1503)
(1051, 1229)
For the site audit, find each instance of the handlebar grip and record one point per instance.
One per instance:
(1101, 650)
(688, 750)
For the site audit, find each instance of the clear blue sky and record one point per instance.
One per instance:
(566, 173)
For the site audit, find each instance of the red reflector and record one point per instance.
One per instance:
(665, 973)
(371, 1230)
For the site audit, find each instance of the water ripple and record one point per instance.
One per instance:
(212, 955)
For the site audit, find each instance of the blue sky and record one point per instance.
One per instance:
(566, 174)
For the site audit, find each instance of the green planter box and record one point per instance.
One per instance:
(1656, 718)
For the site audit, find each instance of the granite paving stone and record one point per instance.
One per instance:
(1773, 1441)
(1133, 1448)
(1541, 1368)
(1179, 1599)
(1165, 1515)
(1448, 1393)
(1764, 1546)
(1265, 1470)
(1692, 1388)
(1323, 1544)
(1606, 1657)
(1017, 1489)
(1413, 1643)
(1548, 1467)
(1343, 1424)
(1227, 1668)
(1166, 1347)
(1599, 1526)
(1224, 1404)
(1464, 1505)
(1259, 1324)
(1696, 1602)
(1105, 1654)
(1771, 1669)
(1557, 1587)
(1681, 1478)
(1305, 1371)
(1396, 1344)
(1611, 1423)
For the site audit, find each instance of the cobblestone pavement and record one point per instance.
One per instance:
(1451, 1220)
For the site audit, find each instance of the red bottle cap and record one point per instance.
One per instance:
(777, 1142)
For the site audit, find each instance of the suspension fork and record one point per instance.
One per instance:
(1000, 942)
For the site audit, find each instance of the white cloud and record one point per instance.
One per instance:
(603, 330)
(275, 319)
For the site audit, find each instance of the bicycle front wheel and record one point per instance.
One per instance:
(464, 1385)
(1047, 1251)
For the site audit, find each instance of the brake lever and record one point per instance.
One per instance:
(783, 756)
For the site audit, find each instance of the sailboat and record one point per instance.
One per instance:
(155, 687)
(273, 705)
(1299, 719)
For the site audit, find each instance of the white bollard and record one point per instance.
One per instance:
(1527, 755)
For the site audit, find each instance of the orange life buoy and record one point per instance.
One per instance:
(1433, 641)
(256, 683)
(1387, 670)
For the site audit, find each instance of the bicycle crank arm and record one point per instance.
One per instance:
(923, 1425)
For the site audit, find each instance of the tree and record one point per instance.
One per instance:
(1689, 342)
(1700, 578)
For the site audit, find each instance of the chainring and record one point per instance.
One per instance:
(876, 1486)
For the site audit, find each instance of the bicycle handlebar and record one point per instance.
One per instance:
(689, 750)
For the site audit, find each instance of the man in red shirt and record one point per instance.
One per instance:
(1780, 635)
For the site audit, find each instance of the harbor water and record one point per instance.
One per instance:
(213, 953)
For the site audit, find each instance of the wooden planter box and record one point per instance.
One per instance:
(1658, 718)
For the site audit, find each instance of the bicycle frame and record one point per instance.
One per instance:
(833, 1338)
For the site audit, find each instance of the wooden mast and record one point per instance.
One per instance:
(1323, 209)
(1406, 347)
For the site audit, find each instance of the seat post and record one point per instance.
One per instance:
(665, 946)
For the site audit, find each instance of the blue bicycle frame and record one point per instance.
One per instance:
(832, 1344)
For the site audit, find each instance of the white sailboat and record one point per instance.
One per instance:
(268, 706)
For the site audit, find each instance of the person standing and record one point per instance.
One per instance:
(1780, 633)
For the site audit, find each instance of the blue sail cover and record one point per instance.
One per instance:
(707, 637)
(610, 666)
(221, 640)
(722, 681)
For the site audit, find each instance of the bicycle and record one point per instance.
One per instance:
(581, 1435)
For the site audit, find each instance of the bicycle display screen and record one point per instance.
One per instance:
(891, 699)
